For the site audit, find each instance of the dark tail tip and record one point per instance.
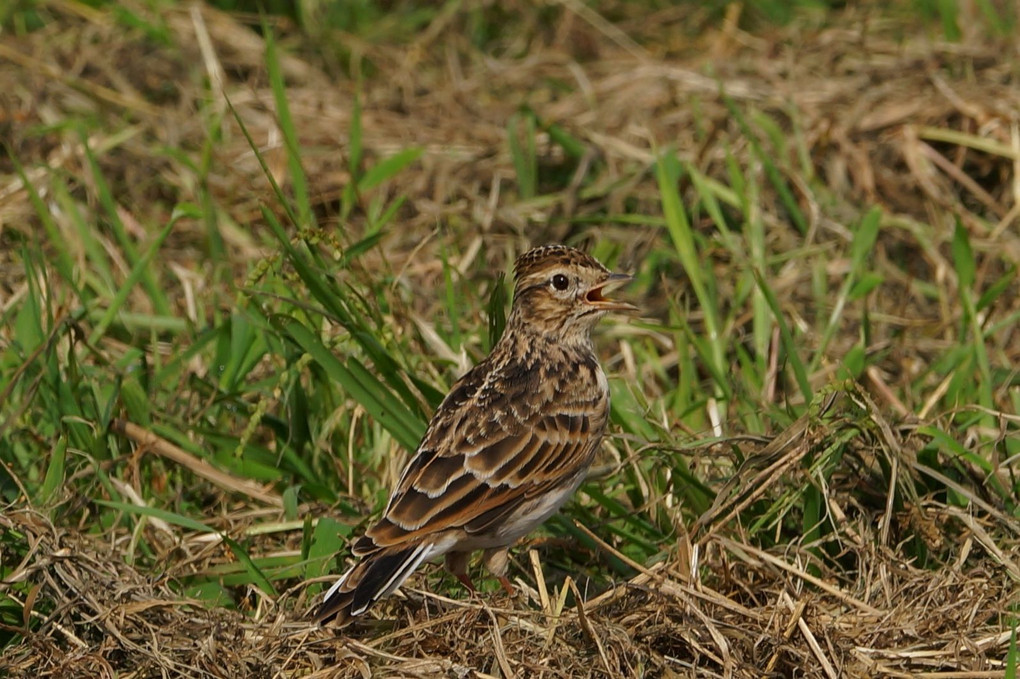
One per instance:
(336, 610)
(376, 576)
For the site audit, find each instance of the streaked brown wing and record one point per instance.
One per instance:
(478, 481)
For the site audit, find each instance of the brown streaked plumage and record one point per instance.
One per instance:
(508, 445)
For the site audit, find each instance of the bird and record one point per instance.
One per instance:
(508, 445)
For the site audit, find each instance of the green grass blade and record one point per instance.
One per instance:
(786, 337)
(775, 176)
(453, 302)
(372, 395)
(966, 273)
(146, 276)
(349, 197)
(388, 168)
(258, 578)
(139, 271)
(860, 248)
(667, 171)
(497, 310)
(157, 513)
(63, 264)
(296, 172)
(1011, 655)
(54, 472)
(523, 153)
(328, 539)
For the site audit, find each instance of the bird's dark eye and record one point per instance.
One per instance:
(560, 282)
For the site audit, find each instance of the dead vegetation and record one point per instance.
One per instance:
(902, 120)
(718, 607)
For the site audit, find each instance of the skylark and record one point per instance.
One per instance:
(508, 445)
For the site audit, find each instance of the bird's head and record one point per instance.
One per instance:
(562, 291)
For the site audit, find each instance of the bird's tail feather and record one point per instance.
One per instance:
(369, 580)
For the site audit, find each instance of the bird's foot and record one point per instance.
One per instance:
(466, 581)
(507, 585)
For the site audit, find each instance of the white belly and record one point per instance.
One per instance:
(527, 517)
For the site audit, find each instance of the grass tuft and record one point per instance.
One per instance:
(235, 282)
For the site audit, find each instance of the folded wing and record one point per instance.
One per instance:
(485, 473)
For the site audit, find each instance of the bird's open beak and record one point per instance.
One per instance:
(596, 295)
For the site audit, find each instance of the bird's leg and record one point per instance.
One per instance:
(466, 580)
(456, 563)
(496, 560)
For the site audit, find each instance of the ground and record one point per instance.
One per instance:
(242, 258)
